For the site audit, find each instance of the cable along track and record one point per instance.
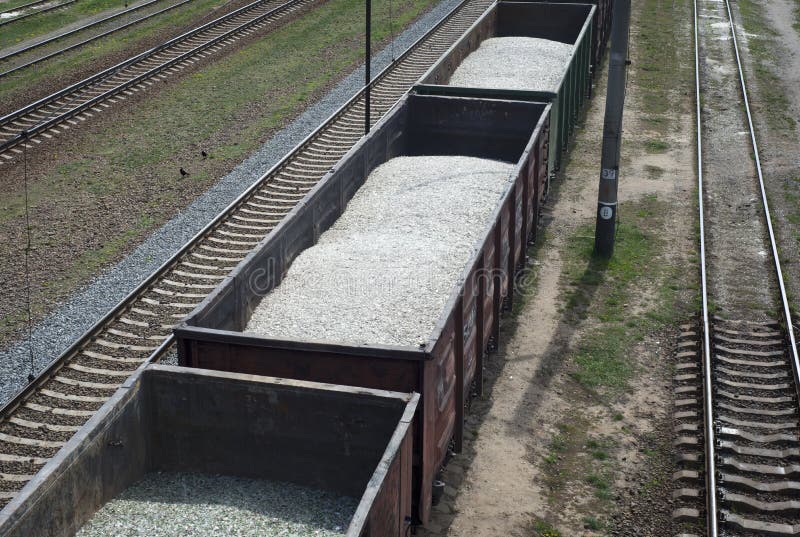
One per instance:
(64, 109)
(44, 415)
(750, 368)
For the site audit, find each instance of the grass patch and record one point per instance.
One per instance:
(761, 43)
(601, 484)
(542, 528)
(656, 146)
(658, 70)
(796, 12)
(600, 364)
(90, 261)
(597, 449)
(653, 172)
(605, 290)
(591, 523)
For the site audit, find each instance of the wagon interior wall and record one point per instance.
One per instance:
(571, 23)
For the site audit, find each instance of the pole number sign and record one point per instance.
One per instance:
(608, 173)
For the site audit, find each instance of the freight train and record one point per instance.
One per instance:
(363, 418)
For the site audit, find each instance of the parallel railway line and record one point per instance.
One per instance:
(31, 5)
(30, 48)
(60, 111)
(45, 414)
(749, 418)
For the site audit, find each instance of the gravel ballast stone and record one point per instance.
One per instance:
(520, 63)
(183, 505)
(385, 269)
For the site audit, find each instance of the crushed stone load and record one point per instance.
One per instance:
(520, 63)
(198, 505)
(385, 269)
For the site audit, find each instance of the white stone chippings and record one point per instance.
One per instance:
(198, 505)
(383, 272)
(521, 63)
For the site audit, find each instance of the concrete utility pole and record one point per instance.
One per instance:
(367, 59)
(612, 130)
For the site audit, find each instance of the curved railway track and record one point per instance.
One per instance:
(25, 50)
(68, 107)
(746, 411)
(36, 423)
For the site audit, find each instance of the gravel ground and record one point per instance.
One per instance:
(383, 272)
(505, 62)
(59, 329)
(172, 505)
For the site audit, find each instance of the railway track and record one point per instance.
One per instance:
(28, 49)
(44, 415)
(737, 378)
(67, 108)
(30, 6)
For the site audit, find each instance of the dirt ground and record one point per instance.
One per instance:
(545, 454)
(739, 285)
(771, 34)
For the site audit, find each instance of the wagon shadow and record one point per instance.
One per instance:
(570, 321)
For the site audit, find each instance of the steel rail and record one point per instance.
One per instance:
(712, 517)
(32, 13)
(787, 314)
(48, 123)
(88, 40)
(44, 375)
(125, 63)
(708, 409)
(24, 6)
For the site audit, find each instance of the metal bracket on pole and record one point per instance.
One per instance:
(605, 229)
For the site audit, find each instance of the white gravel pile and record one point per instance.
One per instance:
(521, 63)
(197, 505)
(384, 271)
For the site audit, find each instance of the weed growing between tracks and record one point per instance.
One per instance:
(761, 42)
(796, 24)
(769, 37)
